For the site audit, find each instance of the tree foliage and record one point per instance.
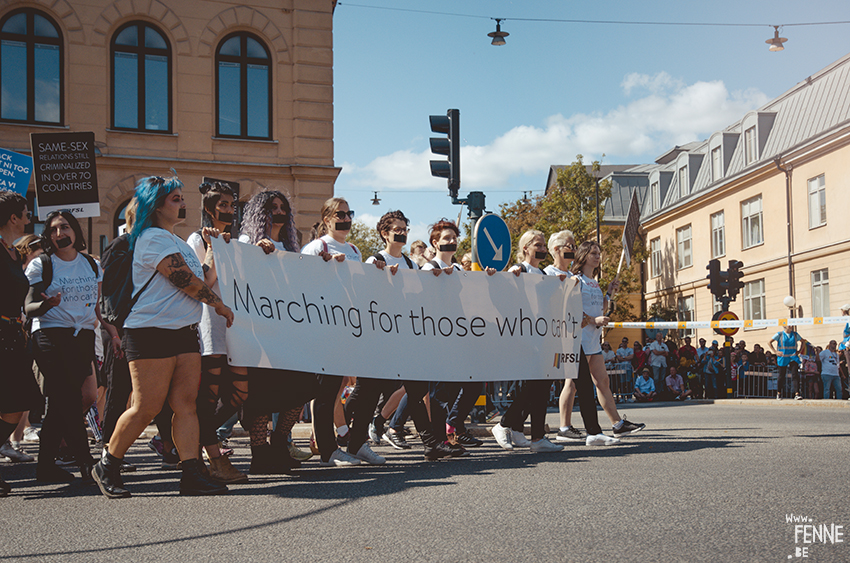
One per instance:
(365, 238)
(571, 205)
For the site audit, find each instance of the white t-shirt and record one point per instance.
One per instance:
(244, 238)
(162, 304)
(428, 266)
(829, 363)
(391, 260)
(213, 328)
(529, 269)
(78, 284)
(328, 243)
(551, 270)
(592, 302)
(657, 360)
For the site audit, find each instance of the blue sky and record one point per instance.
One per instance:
(553, 91)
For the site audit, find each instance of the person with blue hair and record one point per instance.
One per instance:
(161, 336)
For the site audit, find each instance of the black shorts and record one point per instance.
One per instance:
(155, 343)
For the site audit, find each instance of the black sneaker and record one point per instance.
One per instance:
(569, 435)
(467, 440)
(396, 440)
(109, 481)
(628, 428)
(457, 450)
(342, 441)
(438, 451)
(195, 483)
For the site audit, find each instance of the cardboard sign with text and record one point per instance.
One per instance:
(65, 173)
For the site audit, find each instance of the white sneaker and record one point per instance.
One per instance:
(519, 440)
(601, 440)
(502, 436)
(373, 434)
(340, 459)
(366, 454)
(14, 455)
(31, 434)
(544, 445)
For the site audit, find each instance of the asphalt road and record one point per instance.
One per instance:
(702, 483)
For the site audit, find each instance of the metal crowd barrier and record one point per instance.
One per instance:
(761, 382)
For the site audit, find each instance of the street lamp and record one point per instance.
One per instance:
(790, 302)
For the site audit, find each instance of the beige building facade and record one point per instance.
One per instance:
(769, 190)
(211, 89)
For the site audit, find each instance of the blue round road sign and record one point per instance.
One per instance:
(492, 242)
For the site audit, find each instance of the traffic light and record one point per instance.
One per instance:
(448, 124)
(717, 280)
(734, 275)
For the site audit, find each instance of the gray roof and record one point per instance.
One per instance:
(810, 109)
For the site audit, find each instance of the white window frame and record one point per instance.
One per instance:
(817, 202)
(655, 257)
(754, 300)
(718, 234)
(684, 247)
(750, 146)
(655, 196)
(751, 214)
(820, 293)
(685, 311)
(716, 164)
(684, 188)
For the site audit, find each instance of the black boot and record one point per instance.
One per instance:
(282, 458)
(194, 483)
(107, 474)
(86, 473)
(434, 449)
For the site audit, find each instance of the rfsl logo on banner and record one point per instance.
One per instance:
(65, 174)
(15, 171)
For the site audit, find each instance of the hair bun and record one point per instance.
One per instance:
(204, 187)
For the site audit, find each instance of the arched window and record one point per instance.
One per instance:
(31, 87)
(243, 87)
(141, 79)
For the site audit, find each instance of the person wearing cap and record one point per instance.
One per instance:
(713, 367)
(645, 387)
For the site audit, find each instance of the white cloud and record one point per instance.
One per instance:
(669, 113)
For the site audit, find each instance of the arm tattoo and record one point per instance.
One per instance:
(180, 278)
(206, 295)
(176, 261)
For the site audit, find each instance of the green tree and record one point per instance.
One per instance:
(570, 204)
(365, 238)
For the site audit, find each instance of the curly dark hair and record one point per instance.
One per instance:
(11, 203)
(387, 220)
(257, 221)
(79, 240)
(211, 193)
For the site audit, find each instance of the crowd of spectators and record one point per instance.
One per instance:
(673, 369)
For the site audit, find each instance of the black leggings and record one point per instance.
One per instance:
(360, 407)
(586, 401)
(62, 357)
(531, 400)
(119, 385)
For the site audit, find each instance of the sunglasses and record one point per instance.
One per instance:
(343, 214)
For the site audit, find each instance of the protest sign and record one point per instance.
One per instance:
(301, 313)
(15, 171)
(65, 174)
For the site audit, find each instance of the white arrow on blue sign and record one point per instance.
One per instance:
(492, 242)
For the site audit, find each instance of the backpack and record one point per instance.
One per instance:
(380, 257)
(47, 267)
(117, 297)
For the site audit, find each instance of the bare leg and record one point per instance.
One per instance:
(566, 401)
(603, 390)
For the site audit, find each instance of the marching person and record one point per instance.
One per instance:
(586, 267)
(18, 389)
(161, 337)
(63, 305)
(216, 213)
(533, 395)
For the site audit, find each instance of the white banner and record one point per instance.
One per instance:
(301, 313)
